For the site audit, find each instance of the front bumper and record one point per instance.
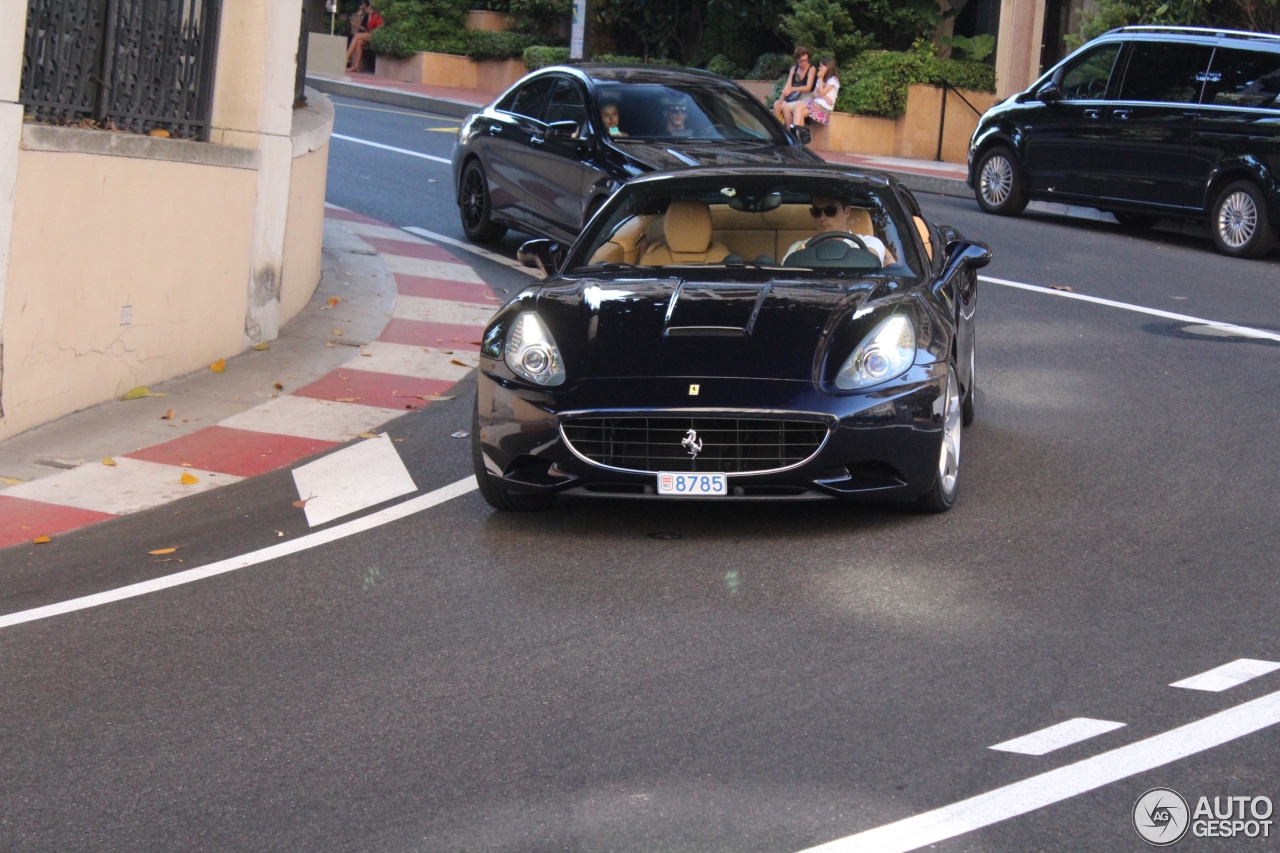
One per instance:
(882, 445)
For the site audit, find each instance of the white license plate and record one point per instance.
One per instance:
(671, 483)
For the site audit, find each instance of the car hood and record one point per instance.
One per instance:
(671, 155)
(767, 329)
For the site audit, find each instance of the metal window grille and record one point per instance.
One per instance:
(135, 65)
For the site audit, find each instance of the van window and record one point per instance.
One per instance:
(1085, 77)
(1243, 78)
(1167, 73)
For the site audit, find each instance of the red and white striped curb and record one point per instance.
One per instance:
(430, 343)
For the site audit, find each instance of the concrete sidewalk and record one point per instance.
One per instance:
(395, 323)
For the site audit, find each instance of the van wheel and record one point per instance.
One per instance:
(1239, 222)
(1000, 187)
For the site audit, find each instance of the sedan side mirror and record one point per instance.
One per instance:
(563, 131)
(802, 134)
(541, 254)
(966, 254)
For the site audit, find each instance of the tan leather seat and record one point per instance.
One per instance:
(924, 235)
(687, 237)
(626, 244)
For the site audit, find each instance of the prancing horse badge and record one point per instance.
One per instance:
(693, 390)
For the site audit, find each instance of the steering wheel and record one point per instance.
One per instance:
(826, 236)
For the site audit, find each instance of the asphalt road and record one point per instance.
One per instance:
(663, 677)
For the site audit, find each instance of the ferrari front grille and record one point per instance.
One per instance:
(720, 444)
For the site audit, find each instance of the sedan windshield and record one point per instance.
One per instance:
(690, 111)
(808, 225)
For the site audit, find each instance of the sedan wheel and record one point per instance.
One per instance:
(999, 186)
(1239, 222)
(942, 495)
(474, 206)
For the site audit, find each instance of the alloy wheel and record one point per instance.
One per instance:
(949, 456)
(1237, 219)
(473, 199)
(996, 180)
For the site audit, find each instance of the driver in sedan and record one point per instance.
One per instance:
(832, 214)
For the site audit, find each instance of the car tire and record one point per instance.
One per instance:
(474, 208)
(1240, 223)
(946, 478)
(493, 490)
(998, 183)
(968, 409)
(1135, 222)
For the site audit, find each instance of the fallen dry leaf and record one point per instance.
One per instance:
(447, 351)
(169, 415)
(186, 465)
(345, 399)
(219, 366)
(459, 363)
(107, 460)
(329, 343)
(300, 504)
(159, 551)
(188, 479)
(1061, 287)
(140, 392)
(332, 301)
(337, 332)
(367, 354)
(42, 540)
(277, 386)
(10, 481)
(159, 133)
(366, 435)
(434, 398)
(261, 347)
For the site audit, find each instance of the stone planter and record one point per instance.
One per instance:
(914, 135)
(762, 89)
(455, 72)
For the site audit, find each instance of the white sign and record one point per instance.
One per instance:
(577, 35)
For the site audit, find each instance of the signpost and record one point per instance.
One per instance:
(578, 34)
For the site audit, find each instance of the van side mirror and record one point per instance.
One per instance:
(1050, 92)
(541, 254)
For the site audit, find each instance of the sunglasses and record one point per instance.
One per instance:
(674, 109)
(828, 211)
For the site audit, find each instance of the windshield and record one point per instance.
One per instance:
(654, 111)
(758, 221)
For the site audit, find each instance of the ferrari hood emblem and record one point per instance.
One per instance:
(692, 443)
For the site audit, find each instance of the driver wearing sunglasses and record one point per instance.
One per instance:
(832, 214)
(675, 112)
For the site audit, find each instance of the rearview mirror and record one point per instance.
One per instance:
(541, 254)
(562, 131)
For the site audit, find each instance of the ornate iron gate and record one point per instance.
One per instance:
(134, 65)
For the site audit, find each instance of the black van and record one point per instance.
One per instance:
(1147, 123)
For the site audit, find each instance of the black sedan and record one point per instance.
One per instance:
(737, 333)
(548, 152)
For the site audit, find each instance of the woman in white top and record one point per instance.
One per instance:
(825, 92)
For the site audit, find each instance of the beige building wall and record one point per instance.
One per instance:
(304, 232)
(1018, 45)
(94, 235)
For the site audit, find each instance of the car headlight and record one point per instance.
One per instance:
(531, 351)
(883, 355)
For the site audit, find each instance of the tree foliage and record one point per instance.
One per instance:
(878, 80)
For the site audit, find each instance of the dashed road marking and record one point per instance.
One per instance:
(1054, 737)
(1228, 328)
(371, 144)
(1228, 675)
(253, 558)
(354, 478)
(1063, 783)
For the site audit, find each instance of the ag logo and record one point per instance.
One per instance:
(1161, 817)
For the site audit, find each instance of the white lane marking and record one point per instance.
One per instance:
(1228, 675)
(475, 250)
(386, 232)
(253, 558)
(418, 115)
(1063, 783)
(415, 361)
(443, 311)
(427, 268)
(128, 486)
(306, 417)
(1056, 737)
(431, 157)
(1242, 331)
(354, 478)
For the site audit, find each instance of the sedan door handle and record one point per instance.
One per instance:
(1091, 113)
(1121, 113)
(495, 129)
(536, 140)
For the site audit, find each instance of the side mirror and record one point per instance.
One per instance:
(1050, 92)
(802, 134)
(563, 131)
(541, 254)
(966, 254)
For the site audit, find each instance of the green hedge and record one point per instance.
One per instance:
(414, 25)
(540, 56)
(770, 66)
(876, 83)
(497, 45)
(619, 59)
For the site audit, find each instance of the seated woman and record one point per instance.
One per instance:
(609, 118)
(824, 99)
(832, 214)
(800, 82)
